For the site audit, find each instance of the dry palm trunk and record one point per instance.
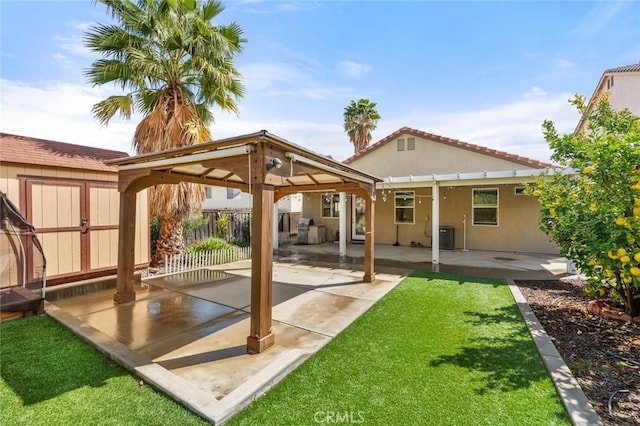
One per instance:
(170, 238)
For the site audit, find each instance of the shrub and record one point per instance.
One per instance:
(211, 244)
(594, 215)
(192, 223)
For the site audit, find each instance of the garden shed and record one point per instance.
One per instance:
(70, 196)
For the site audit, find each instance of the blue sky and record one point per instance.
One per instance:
(485, 72)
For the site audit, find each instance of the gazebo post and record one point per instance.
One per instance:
(126, 251)
(369, 272)
(261, 336)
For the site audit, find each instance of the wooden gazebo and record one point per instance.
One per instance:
(262, 164)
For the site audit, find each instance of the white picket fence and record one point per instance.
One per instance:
(189, 261)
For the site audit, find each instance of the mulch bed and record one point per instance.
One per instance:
(602, 353)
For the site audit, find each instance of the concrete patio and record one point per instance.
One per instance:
(400, 259)
(186, 333)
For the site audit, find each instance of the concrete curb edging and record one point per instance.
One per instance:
(260, 384)
(578, 407)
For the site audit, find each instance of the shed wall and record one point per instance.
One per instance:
(58, 206)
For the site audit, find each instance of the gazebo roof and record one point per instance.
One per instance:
(236, 162)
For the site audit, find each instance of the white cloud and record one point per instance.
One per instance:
(565, 64)
(598, 17)
(268, 75)
(515, 127)
(353, 69)
(63, 60)
(80, 25)
(73, 45)
(282, 79)
(267, 7)
(531, 55)
(62, 111)
(535, 91)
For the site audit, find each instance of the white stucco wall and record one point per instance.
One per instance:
(625, 92)
(243, 201)
(428, 157)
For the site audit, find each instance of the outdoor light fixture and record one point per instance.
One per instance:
(275, 163)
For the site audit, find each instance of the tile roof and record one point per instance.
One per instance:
(600, 89)
(41, 152)
(452, 142)
(626, 68)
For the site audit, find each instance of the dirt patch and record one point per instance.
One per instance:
(602, 353)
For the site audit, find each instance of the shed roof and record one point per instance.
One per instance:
(451, 142)
(41, 152)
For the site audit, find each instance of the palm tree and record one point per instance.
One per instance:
(360, 119)
(174, 65)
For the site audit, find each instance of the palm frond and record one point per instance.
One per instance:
(180, 200)
(175, 65)
(106, 109)
(149, 135)
(104, 71)
(211, 9)
(360, 119)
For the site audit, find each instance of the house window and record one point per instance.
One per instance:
(518, 190)
(208, 192)
(610, 83)
(485, 206)
(404, 205)
(330, 205)
(411, 144)
(233, 193)
(400, 144)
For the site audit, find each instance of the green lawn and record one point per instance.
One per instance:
(436, 350)
(51, 377)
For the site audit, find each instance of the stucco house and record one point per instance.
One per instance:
(622, 84)
(71, 197)
(218, 198)
(470, 196)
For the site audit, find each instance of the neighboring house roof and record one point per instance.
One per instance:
(626, 68)
(633, 68)
(42, 152)
(451, 142)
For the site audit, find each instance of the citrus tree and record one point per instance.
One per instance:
(594, 213)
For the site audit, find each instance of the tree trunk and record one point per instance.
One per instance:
(170, 239)
(633, 305)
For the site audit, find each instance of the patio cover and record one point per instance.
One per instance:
(262, 164)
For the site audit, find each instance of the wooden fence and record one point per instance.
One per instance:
(238, 229)
(189, 261)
